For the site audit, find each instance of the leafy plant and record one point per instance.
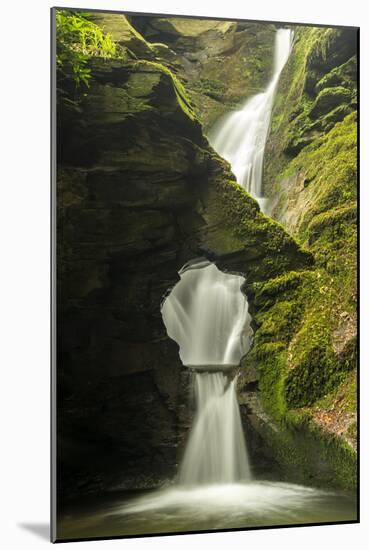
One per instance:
(78, 39)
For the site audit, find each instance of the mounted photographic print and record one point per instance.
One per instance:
(205, 272)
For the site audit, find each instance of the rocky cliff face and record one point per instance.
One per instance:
(140, 192)
(221, 63)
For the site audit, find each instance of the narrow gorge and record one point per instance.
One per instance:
(206, 274)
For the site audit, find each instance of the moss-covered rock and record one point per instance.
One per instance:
(310, 171)
(326, 49)
(342, 75)
(321, 59)
(328, 99)
(308, 455)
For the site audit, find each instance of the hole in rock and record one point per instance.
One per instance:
(206, 313)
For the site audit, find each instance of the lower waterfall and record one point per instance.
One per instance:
(216, 450)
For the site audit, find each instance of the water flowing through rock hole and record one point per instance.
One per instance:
(206, 313)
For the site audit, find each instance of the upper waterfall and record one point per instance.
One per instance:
(241, 136)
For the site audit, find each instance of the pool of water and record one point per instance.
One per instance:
(204, 508)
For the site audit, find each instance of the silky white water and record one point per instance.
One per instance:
(241, 136)
(207, 315)
(216, 450)
(208, 507)
(247, 500)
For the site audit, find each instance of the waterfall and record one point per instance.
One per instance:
(216, 450)
(207, 315)
(241, 136)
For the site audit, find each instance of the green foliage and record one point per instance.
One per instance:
(78, 39)
(328, 225)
